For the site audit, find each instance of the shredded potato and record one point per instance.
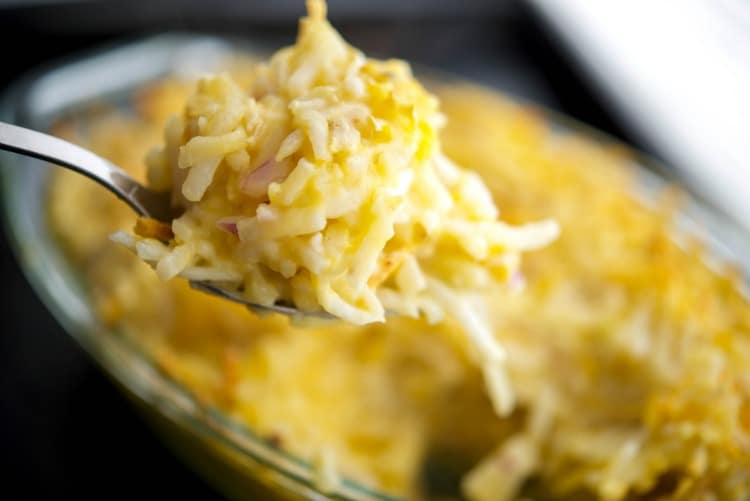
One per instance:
(326, 171)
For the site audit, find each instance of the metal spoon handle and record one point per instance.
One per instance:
(51, 149)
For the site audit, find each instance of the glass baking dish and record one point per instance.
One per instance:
(237, 461)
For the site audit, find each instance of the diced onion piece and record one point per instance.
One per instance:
(255, 183)
(228, 224)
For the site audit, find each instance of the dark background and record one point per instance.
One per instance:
(64, 429)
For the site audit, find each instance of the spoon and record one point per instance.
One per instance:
(143, 200)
